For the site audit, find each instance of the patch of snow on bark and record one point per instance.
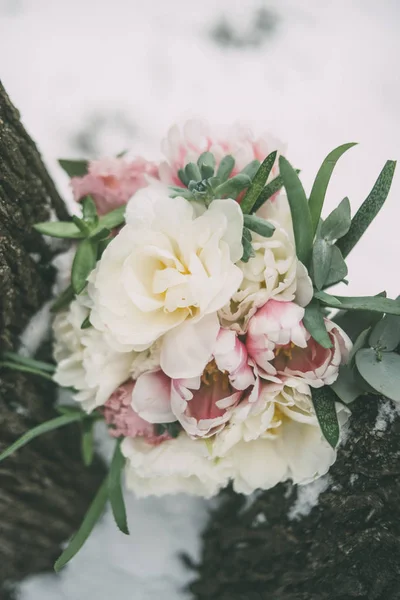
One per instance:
(307, 497)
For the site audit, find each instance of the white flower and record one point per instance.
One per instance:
(167, 272)
(84, 359)
(276, 438)
(176, 465)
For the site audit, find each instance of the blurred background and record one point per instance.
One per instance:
(94, 77)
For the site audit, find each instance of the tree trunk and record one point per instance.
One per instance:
(346, 548)
(44, 488)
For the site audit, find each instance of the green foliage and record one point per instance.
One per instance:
(206, 164)
(248, 250)
(386, 333)
(258, 183)
(84, 262)
(259, 225)
(63, 299)
(225, 168)
(74, 168)
(87, 441)
(115, 490)
(324, 399)
(232, 187)
(313, 321)
(369, 303)
(381, 370)
(321, 262)
(337, 224)
(59, 229)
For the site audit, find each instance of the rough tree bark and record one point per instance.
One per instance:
(44, 488)
(347, 548)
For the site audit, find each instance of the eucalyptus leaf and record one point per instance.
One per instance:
(337, 224)
(83, 264)
(251, 169)
(94, 513)
(360, 342)
(258, 183)
(369, 209)
(370, 303)
(225, 167)
(324, 399)
(87, 442)
(302, 227)
(346, 387)
(380, 371)
(259, 225)
(206, 164)
(115, 490)
(321, 262)
(338, 268)
(74, 168)
(59, 229)
(318, 192)
(314, 322)
(386, 333)
(42, 429)
(233, 186)
(63, 299)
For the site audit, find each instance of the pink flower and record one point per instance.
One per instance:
(280, 345)
(113, 181)
(196, 137)
(151, 397)
(124, 421)
(204, 404)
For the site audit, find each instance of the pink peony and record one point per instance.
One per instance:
(124, 421)
(196, 137)
(113, 181)
(280, 345)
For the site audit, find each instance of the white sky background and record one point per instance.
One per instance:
(329, 74)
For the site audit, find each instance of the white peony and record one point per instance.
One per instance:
(167, 273)
(176, 465)
(84, 359)
(276, 438)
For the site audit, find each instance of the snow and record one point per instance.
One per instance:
(95, 77)
(307, 497)
(387, 413)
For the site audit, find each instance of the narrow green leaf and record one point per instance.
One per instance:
(233, 186)
(370, 303)
(89, 210)
(29, 362)
(268, 191)
(59, 229)
(381, 371)
(112, 219)
(313, 321)
(192, 172)
(338, 268)
(115, 490)
(83, 264)
(259, 225)
(14, 366)
(40, 430)
(318, 192)
(81, 225)
(248, 250)
(86, 323)
(206, 164)
(251, 169)
(258, 183)
(225, 167)
(94, 513)
(337, 224)
(369, 208)
(321, 262)
(63, 299)
(74, 168)
(386, 333)
(302, 227)
(99, 235)
(324, 399)
(87, 441)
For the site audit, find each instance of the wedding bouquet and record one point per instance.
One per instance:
(197, 325)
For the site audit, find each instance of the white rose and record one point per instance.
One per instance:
(84, 359)
(275, 439)
(176, 465)
(167, 272)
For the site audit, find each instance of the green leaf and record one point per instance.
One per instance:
(321, 262)
(318, 192)
(258, 183)
(63, 299)
(346, 386)
(324, 399)
(233, 186)
(369, 209)
(99, 235)
(15, 366)
(182, 177)
(303, 233)
(112, 219)
(192, 172)
(251, 169)
(338, 269)
(59, 229)
(74, 168)
(380, 371)
(87, 441)
(313, 321)
(81, 225)
(386, 333)
(259, 225)
(115, 490)
(42, 429)
(94, 513)
(225, 167)
(337, 224)
(248, 250)
(29, 362)
(206, 164)
(180, 192)
(83, 264)
(89, 210)
(86, 323)
(370, 303)
(360, 342)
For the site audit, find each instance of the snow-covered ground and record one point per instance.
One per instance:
(100, 76)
